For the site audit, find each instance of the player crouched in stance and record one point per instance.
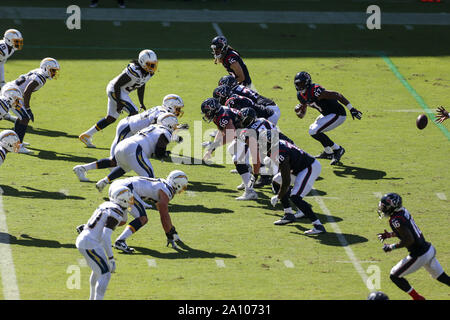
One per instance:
(133, 77)
(9, 142)
(94, 242)
(295, 167)
(159, 191)
(12, 42)
(333, 114)
(421, 252)
(28, 84)
(11, 99)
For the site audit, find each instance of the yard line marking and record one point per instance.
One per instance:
(82, 262)
(415, 95)
(342, 240)
(288, 264)
(312, 26)
(409, 27)
(165, 24)
(441, 196)
(117, 23)
(7, 270)
(377, 194)
(220, 263)
(191, 193)
(263, 26)
(151, 263)
(364, 261)
(217, 28)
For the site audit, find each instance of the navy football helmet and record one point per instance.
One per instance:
(210, 108)
(219, 46)
(247, 117)
(377, 295)
(222, 93)
(302, 81)
(228, 80)
(388, 204)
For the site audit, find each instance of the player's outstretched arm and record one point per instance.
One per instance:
(325, 94)
(441, 114)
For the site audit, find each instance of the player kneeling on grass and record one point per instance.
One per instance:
(9, 142)
(11, 99)
(159, 191)
(421, 252)
(94, 241)
(298, 168)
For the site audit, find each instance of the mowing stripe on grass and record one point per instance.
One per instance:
(414, 93)
(7, 270)
(342, 240)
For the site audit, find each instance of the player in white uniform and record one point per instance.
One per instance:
(29, 83)
(94, 241)
(145, 190)
(134, 152)
(12, 42)
(133, 77)
(9, 142)
(11, 99)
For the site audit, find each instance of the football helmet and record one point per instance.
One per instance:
(148, 61)
(247, 117)
(13, 38)
(227, 80)
(173, 103)
(388, 204)
(51, 67)
(13, 95)
(210, 108)
(10, 140)
(302, 81)
(121, 196)
(178, 180)
(222, 93)
(377, 295)
(168, 120)
(219, 46)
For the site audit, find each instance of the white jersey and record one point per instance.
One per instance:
(144, 119)
(91, 236)
(147, 138)
(37, 75)
(3, 153)
(137, 75)
(4, 108)
(5, 52)
(145, 188)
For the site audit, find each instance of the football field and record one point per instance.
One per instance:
(231, 249)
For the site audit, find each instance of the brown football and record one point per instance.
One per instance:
(422, 121)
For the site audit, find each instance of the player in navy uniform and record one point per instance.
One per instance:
(227, 121)
(296, 167)
(261, 103)
(421, 252)
(231, 60)
(333, 114)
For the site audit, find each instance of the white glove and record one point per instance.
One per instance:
(274, 200)
(112, 265)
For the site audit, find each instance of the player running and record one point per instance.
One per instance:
(133, 77)
(421, 252)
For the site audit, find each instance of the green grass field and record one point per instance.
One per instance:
(231, 249)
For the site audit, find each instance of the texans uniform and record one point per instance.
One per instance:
(138, 78)
(5, 53)
(241, 102)
(233, 56)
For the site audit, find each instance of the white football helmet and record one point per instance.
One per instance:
(13, 38)
(168, 120)
(173, 103)
(51, 67)
(10, 140)
(13, 95)
(148, 61)
(121, 196)
(178, 180)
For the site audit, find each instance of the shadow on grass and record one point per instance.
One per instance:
(37, 194)
(360, 173)
(200, 186)
(28, 241)
(322, 217)
(197, 208)
(182, 252)
(331, 238)
(190, 161)
(53, 155)
(49, 133)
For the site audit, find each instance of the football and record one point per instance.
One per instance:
(422, 121)
(300, 111)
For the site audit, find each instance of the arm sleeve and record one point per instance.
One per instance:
(106, 238)
(2, 73)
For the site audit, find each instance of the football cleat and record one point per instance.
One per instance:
(299, 214)
(206, 144)
(213, 134)
(87, 140)
(324, 155)
(287, 218)
(317, 228)
(101, 184)
(241, 186)
(337, 154)
(249, 194)
(80, 171)
(24, 150)
(263, 181)
(233, 171)
(122, 245)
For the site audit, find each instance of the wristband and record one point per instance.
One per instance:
(393, 246)
(109, 258)
(349, 106)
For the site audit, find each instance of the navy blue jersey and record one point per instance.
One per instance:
(262, 124)
(225, 116)
(298, 159)
(252, 95)
(239, 102)
(233, 56)
(325, 106)
(403, 218)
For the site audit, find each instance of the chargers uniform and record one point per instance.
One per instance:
(5, 54)
(5, 107)
(3, 153)
(37, 75)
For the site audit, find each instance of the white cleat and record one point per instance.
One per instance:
(299, 214)
(241, 186)
(10, 118)
(249, 194)
(80, 171)
(101, 184)
(24, 150)
(206, 144)
(87, 140)
(318, 228)
(213, 134)
(25, 144)
(233, 171)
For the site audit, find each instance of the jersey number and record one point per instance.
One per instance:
(94, 219)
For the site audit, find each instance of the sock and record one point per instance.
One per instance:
(288, 210)
(102, 124)
(125, 234)
(317, 222)
(93, 283)
(246, 178)
(323, 139)
(104, 163)
(90, 166)
(20, 129)
(415, 295)
(102, 284)
(335, 146)
(92, 130)
(444, 278)
(116, 173)
(328, 150)
(305, 207)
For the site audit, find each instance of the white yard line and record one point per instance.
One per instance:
(441, 196)
(220, 263)
(288, 264)
(151, 263)
(217, 28)
(7, 270)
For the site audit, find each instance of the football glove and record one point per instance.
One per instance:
(274, 200)
(355, 114)
(384, 235)
(30, 114)
(172, 237)
(80, 228)
(112, 264)
(388, 247)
